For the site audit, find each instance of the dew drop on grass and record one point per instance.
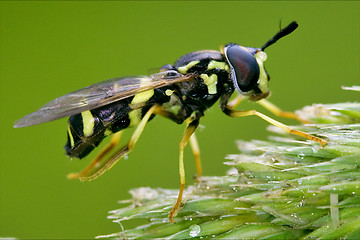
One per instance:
(301, 155)
(194, 230)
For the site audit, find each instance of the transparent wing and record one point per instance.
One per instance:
(100, 94)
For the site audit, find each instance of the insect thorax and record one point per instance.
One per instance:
(212, 79)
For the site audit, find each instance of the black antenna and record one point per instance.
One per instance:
(282, 33)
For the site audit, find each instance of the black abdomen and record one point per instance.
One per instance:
(87, 129)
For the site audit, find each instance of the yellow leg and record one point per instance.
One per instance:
(278, 112)
(190, 129)
(96, 163)
(236, 101)
(286, 128)
(196, 152)
(269, 106)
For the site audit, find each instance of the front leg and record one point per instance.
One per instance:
(232, 113)
(278, 112)
(269, 106)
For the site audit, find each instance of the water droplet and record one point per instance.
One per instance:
(194, 230)
(301, 155)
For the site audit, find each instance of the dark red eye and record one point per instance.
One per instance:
(244, 67)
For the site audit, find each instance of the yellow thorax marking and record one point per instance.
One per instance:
(215, 64)
(134, 117)
(169, 92)
(184, 69)
(210, 82)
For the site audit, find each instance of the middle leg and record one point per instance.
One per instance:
(188, 133)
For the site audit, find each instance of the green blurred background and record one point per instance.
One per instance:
(48, 49)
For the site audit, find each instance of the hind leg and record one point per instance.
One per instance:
(96, 163)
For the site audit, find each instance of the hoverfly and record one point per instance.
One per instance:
(179, 92)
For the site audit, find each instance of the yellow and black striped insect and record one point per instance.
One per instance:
(179, 92)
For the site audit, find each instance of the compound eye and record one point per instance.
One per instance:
(244, 67)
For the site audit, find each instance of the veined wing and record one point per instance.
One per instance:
(100, 94)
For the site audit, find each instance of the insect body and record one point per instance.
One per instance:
(179, 92)
(209, 78)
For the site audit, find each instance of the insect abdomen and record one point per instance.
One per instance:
(87, 129)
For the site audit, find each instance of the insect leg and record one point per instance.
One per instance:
(193, 141)
(233, 113)
(236, 101)
(278, 112)
(96, 163)
(190, 129)
(269, 106)
(196, 152)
